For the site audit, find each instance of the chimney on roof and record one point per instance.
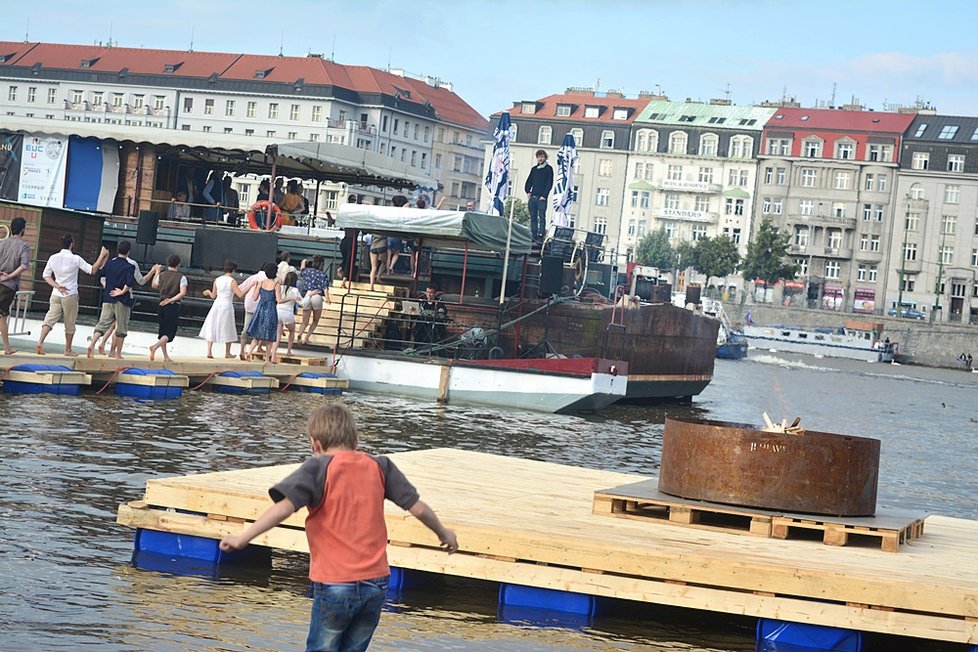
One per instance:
(853, 107)
(720, 101)
(448, 86)
(581, 90)
(397, 71)
(315, 55)
(649, 95)
(614, 93)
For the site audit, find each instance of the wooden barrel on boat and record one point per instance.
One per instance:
(738, 464)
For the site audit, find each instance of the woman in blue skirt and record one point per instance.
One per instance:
(264, 325)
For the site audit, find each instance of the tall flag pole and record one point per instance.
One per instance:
(497, 177)
(564, 188)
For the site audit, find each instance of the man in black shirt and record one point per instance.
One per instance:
(537, 187)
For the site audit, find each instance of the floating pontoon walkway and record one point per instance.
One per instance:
(531, 523)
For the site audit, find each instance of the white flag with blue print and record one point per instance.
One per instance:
(564, 187)
(497, 177)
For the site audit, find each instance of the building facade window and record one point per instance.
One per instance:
(949, 224)
(607, 139)
(677, 142)
(703, 204)
(832, 269)
(802, 265)
(699, 232)
(602, 197)
(809, 177)
(812, 148)
(946, 255)
(910, 251)
(916, 191)
(601, 225)
(251, 109)
(779, 146)
(208, 107)
(841, 180)
(845, 150)
(545, 135)
(605, 167)
(708, 145)
(578, 135)
(563, 110)
(806, 207)
(644, 199)
(736, 207)
(952, 194)
(706, 175)
(294, 112)
(920, 160)
(911, 222)
(672, 202)
(839, 209)
(874, 243)
(675, 173)
(955, 162)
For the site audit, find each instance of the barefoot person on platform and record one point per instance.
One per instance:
(61, 273)
(116, 300)
(15, 259)
(172, 285)
(219, 325)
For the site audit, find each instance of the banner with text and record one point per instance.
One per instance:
(42, 177)
(11, 147)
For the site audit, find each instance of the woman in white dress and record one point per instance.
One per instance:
(286, 307)
(219, 325)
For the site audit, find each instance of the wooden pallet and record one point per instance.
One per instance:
(643, 501)
(303, 361)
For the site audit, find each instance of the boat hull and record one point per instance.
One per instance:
(809, 343)
(732, 350)
(484, 382)
(669, 350)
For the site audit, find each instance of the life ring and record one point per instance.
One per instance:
(262, 206)
(7, 229)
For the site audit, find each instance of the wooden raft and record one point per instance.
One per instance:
(531, 523)
(643, 501)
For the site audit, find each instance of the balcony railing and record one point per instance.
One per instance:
(820, 251)
(845, 222)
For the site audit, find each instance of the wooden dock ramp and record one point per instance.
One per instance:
(532, 523)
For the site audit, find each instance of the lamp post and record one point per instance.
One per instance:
(903, 263)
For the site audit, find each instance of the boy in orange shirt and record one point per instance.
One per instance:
(344, 490)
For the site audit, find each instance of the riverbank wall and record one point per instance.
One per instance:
(932, 345)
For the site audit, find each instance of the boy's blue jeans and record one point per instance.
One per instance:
(344, 616)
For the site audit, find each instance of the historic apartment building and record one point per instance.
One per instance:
(692, 171)
(272, 98)
(601, 126)
(934, 247)
(829, 177)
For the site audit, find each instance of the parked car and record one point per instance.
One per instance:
(906, 313)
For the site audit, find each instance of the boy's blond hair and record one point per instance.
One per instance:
(333, 426)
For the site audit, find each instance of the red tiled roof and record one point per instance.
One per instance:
(840, 120)
(547, 107)
(448, 106)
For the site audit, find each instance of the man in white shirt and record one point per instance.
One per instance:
(250, 305)
(61, 273)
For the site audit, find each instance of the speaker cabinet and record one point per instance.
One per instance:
(551, 275)
(250, 249)
(147, 228)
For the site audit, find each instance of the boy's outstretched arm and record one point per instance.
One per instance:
(272, 517)
(426, 515)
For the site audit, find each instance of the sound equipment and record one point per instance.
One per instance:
(148, 227)
(693, 294)
(250, 249)
(551, 275)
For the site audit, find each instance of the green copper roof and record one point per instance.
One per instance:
(736, 192)
(641, 185)
(696, 114)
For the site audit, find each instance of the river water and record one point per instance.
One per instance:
(66, 463)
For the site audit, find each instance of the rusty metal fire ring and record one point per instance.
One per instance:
(738, 464)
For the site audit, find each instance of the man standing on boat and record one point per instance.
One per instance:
(538, 186)
(61, 273)
(15, 259)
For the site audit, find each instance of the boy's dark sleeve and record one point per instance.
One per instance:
(129, 278)
(529, 182)
(397, 488)
(305, 486)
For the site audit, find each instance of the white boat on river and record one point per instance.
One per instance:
(855, 340)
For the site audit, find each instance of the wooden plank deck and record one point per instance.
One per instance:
(102, 369)
(531, 523)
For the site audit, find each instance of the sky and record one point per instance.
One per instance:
(881, 52)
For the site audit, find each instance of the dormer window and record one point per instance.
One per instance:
(88, 63)
(403, 93)
(592, 111)
(716, 120)
(262, 74)
(687, 118)
(529, 108)
(172, 67)
(620, 114)
(563, 110)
